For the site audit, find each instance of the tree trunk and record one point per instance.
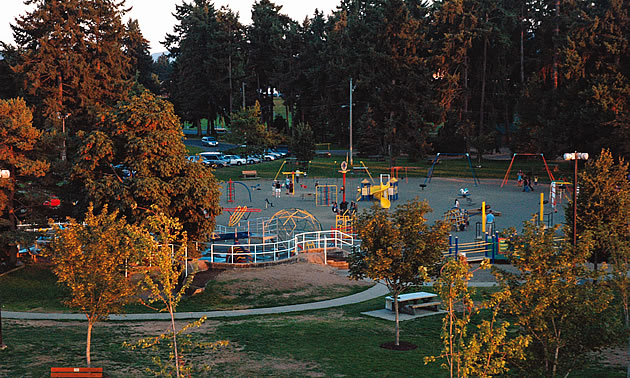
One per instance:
(230, 79)
(483, 85)
(197, 123)
(555, 47)
(397, 340)
(89, 343)
(2, 346)
(175, 351)
(522, 45)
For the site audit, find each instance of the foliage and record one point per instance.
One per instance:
(485, 353)
(136, 160)
(90, 258)
(400, 250)
(71, 57)
(303, 142)
(163, 285)
(18, 139)
(141, 62)
(246, 128)
(603, 216)
(556, 300)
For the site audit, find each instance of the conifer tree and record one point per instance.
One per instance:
(71, 58)
(137, 49)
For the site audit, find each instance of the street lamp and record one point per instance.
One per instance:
(575, 156)
(63, 117)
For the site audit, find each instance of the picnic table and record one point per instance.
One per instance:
(411, 302)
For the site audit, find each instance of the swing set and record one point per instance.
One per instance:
(437, 159)
(506, 178)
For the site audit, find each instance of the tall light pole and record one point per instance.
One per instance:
(575, 156)
(64, 152)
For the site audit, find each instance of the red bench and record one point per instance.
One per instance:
(75, 372)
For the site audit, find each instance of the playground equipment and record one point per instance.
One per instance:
(507, 173)
(436, 160)
(294, 221)
(457, 218)
(386, 192)
(237, 213)
(325, 195)
(557, 191)
(489, 247)
(231, 193)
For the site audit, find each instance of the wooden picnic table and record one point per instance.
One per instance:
(410, 302)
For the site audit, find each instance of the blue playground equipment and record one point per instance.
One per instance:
(437, 158)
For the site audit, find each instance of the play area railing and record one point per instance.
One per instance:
(275, 251)
(490, 247)
(259, 226)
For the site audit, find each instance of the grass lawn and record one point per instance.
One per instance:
(333, 342)
(35, 288)
(321, 167)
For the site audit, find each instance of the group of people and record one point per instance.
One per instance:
(525, 181)
(277, 187)
(342, 208)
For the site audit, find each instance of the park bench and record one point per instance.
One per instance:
(411, 309)
(250, 174)
(323, 153)
(75, 372)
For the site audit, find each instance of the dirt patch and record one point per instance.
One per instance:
(286, 277)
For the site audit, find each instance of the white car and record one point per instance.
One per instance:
(209, 141)
(253, 159)
(236, 160)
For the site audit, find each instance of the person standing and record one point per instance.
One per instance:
(456, 204)
(490, 222)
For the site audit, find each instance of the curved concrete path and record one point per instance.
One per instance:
(371, 293)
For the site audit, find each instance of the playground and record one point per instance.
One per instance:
(511, 205)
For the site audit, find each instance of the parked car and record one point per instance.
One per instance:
(236, 160)
(215, 160)
(209, 141)
(253, 159)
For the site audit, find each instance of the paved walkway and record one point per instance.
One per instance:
(375, 291)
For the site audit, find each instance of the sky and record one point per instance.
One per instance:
(156, 20)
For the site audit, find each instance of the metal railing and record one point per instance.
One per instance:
(275, 251)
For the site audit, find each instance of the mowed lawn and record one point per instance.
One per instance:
(334, 342)
(321, 167)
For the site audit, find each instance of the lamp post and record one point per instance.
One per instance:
(351, 90)
(4, 174)
(63, 117)
(575, 156)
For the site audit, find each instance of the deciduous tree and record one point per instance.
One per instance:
(486, 351)
(136, 159)
(89, 258)
(400, 249)
(18, 139)
(555, 299)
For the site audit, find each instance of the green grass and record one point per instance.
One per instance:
(328, 167)
(35, 288)
(332, 342)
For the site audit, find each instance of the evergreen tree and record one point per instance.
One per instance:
(71, 59)
(137, 49)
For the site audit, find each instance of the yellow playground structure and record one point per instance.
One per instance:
(384, 193)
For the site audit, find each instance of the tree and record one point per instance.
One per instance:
(141, 62)
(71, 58)
(18, 139)
(136, 159)
(89, 258)
(201, 47)
(556, 300)
(603, 213)
(486, 352)
(247, 128)
(303, 143)
(400, 250)
(163, 283)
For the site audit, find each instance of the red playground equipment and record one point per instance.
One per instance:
(507, 174)
(231, 193)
